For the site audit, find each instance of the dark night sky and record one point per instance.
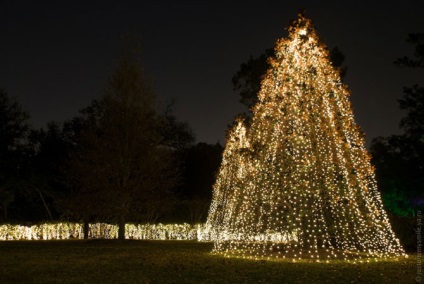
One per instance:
(55, 56)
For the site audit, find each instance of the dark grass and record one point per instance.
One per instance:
(110, 261)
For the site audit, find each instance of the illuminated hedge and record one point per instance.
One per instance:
(65, 231)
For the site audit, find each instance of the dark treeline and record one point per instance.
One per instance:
(121, 159)
(399, 159)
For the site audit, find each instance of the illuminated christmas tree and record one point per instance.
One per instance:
(307, 189)
(229, 181)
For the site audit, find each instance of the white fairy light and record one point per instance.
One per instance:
(298, 182)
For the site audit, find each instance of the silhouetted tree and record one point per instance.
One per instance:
(247, 80)
(125, 157)
(399, 159)
(201, 163)
(14, 129)
(416, 39)
(45, 172)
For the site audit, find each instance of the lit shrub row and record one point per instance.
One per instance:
(58, 231)
(64, 231)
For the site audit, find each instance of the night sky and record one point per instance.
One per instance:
(55, 56)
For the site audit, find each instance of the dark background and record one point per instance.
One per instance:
(55, 56)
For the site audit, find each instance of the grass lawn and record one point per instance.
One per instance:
(108, 261)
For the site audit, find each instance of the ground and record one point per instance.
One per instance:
(110, 261)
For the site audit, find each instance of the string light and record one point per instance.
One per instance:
(298, 183)
(64, 231)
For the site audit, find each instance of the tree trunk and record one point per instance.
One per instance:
(86, 228)
(5, 211)
(44, 202)
(121, 229)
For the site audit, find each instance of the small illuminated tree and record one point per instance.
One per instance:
(309, 189)
(229, 180)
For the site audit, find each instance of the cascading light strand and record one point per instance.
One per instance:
(298, 183)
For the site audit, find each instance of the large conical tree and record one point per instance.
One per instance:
(309, 190)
